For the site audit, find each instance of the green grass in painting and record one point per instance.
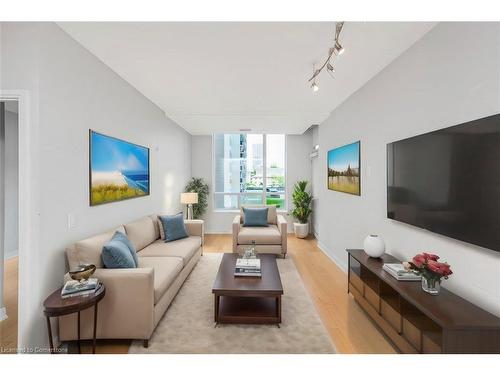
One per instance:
(111, 193)
(344, 186)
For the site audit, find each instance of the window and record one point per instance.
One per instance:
(249, 169)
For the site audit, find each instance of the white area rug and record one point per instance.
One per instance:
(188, 324)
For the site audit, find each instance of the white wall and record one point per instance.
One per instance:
(298, 167)
(11, 184)
(71, 91)
(450, 76)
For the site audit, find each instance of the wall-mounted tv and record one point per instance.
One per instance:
(448, 181)
(118, 169)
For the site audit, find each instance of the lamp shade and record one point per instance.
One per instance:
(189, 198)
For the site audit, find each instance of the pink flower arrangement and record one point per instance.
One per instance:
(427, 265)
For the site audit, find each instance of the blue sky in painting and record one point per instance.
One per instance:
(112, 155)
(340, 158)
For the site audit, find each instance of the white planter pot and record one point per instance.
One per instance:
(301, 230)
(374, 246)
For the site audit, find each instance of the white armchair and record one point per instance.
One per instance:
(270, 240)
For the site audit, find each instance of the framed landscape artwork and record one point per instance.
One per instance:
(344, 164)
(118, 169)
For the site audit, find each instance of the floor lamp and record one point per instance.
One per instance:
(189, 199)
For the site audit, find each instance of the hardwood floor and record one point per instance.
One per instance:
(350, 329)
(8, 327)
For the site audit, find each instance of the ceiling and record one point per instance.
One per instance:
(214, 77)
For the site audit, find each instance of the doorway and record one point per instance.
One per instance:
(9, 221)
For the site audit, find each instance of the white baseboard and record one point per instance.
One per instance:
(342, 265)
(3, 313)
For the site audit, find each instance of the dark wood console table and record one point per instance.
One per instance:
(417, 322)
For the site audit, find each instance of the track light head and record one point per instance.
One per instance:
(315, 86)
(339, 50)
(330, 68)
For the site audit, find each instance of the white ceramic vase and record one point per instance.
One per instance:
(301, 230)
(374, 246)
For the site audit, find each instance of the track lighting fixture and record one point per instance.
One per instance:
(336, 50)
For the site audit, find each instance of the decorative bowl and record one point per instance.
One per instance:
(82, 272)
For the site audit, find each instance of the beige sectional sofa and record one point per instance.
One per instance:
(136, 298)
(271, 239)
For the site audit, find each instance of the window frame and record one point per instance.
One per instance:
(264, 175)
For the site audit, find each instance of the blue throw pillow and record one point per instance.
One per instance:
(115, 254)
(174, 227)
(122, 237)
(255, 217)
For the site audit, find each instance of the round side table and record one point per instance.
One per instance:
(55, 306)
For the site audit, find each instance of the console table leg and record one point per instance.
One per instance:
(51, 343)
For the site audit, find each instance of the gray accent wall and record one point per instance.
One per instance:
(450, 76)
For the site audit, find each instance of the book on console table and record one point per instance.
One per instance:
(398, 271)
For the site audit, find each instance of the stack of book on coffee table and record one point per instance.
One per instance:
(248, 267)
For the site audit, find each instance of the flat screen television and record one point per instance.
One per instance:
(448, 181)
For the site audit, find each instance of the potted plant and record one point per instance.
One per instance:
(427, 266)
(198, 185)
(302, 200)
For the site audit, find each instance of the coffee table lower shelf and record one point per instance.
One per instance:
(247, 310)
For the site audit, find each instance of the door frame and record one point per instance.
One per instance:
(28, 212)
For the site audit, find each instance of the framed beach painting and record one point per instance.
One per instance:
(118, 169)
(344, 169)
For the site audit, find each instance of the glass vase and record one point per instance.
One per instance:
(431, 285)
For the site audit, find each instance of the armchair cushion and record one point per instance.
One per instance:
(255, 216)
(261, 235)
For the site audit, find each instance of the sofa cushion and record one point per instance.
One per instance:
(261, 235)
(166, 270)
(184, 248)
(141, 232)
(88, 251)
(156, 225)
(272, 215)
(116, 254)
(255, 216)
(173, 227)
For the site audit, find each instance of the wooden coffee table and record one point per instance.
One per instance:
(248, 300)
